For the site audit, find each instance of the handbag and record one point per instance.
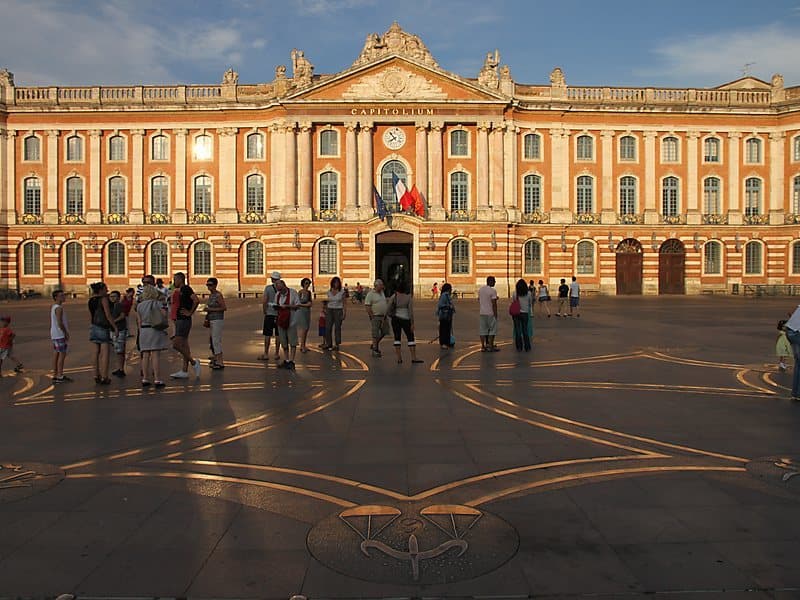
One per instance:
(514, 309)
(206, 322)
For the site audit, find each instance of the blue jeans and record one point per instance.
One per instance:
(794, 339)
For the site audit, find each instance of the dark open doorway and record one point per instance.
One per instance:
(394, 251)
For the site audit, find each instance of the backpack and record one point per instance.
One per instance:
(515, 308)
(156, 317)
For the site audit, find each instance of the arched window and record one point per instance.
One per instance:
(116, 258)
(255, 146)
(711, 150)
(159, 147)
(254, 258)
(585, 195)
(74, 196)
(585, 257)
(796, 258)
(753, 258)
(255, 193)
(327, 257)
(33, 196)
(712, 258)
(459, 257)
(202, 194)
(459, 143)
(796, 148)
(73, 257)
(711, 198)
(532, 257)
(116, 196)
(670, 196)
(203, 149)
(31, 148)
(459, 192)
(159, 195)
(387, 183)
(585, 147)
(159, 258)
(329, 143)
(752, 151)
(627, 148)
(669, 149)
(531, 194)
(796, 195)
(752, 196)
(202, 258)
(532, 146)
(31, 259)
(74, 148)
(116, 148)
(627, 195)
(328, 191)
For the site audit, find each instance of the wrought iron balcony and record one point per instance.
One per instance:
(72, 219)
(673, 219)
(587, 218)
(158, 218)
(756, 220)
(631, 219)
(330, 214)
(792, 219)
(30, 219)
(115, 218)
(199, 218)
(715, 219)
(536, 217)
(253, 216)
(462, 215)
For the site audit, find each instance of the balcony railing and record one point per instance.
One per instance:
(115, 218)
(158, 218)
(631, 219)
(756, 220)
(462, 215)
(30, 219)
(72, 219)
(673, 219)
(253, 216)
(536, 217)
(330, 214)
(199, 218)
(792, 219)
(586, 218)
(715, 219)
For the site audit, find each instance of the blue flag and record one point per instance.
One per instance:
(380, 205)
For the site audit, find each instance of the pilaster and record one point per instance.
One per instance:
(93, 212)
(693, 216)
(51, 210)
(277, 166)
(351, 173)
(510, 199)
(651, 216)
(496, 187)
(559, 177)
(482, 174)
(136, 215)
(365, 168)
(734, 143)
(776, 177)
(305, 175)
(436, 199)
(421, 156)
(290, 166)
(608, 214)
(8, 166)
(226, 202)
(180, 214)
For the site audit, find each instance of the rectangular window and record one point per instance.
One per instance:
(669, 150)
(329, 143)
(74, 259)
(711, 150)
(459, 143)
(160, 148)
(713, 259)
(327, 257)
(533, 146)
(796, 259)
(255, 146)
(627, 148)
(33, 196)
(585, 258)
(460, 257)
(31, 259)
(74, 148)
(533, 257)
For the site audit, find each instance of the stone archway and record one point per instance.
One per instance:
(672, 267)
(394, 259)
(629, 267)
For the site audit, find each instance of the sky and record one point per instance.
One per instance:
(680, 43)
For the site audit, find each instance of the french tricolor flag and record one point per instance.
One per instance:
(402, 195)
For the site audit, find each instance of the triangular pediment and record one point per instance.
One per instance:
(396, 78)
(745, 83)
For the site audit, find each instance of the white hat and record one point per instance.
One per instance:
(276, 275)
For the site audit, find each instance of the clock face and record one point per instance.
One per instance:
(394, 138)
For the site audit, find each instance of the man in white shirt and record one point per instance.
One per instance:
(270, 314)
(286, 303)
(376, 305)
(792, 328)
(487, 301)
(574, 296)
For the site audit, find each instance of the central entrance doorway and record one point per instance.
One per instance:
(672, 267)
(394, 251)
(629, 267)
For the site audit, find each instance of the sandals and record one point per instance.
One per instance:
(19, 368)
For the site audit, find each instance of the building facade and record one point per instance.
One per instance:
(633, 190)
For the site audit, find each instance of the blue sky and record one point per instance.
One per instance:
(614, 42)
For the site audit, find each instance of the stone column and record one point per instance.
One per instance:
(277, 147)
(305, 175)
(496, 187)
(734, 210)
(365, 169)
(51, 207)
(290, 169)
(560, 210)
(776, 180)
(510, 185)
(136, 215)
(651, 211)
(482, 172)
(351, 212)
(608, 214)
(180, 211)
(226, 200)
(436, 199)
(421, 158)
(8, 166)
(693, 212)
(93, 209)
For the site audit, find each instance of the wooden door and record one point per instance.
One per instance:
(671, 268)
(629, 267)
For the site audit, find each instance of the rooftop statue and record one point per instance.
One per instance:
(230, 77)
(488, 75)
(394, 41)
(302, 69)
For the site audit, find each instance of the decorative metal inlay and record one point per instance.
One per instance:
(462, 215)
(72, 219)
(777, 470)
(673, 219)
(20, 480)
(116, 218)
(536, 217)
(413, 543)
(329, 215)
(201, 218)
(756, 220)
(158, 219)
(31, 219)
(792, 219)
(253, 217)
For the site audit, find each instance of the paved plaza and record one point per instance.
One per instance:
(647, 448)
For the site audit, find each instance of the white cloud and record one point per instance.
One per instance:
(710, 60)
(323, 7)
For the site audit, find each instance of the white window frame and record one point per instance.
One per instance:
(635, 194)
(67, 259)
(760, 209)
(745, 260)
(193, 255)
(719, 191)
(153, 138)
(150, 193)
(336, 186)
(467, 185)
(720, 247)
(720, 147)
(247, 264)
(796, 194)
(67, 198)
(38, 200)
(263, 148)
(450, 144)
(329, 131)
(107, 251)
(525, 193)
(461, 241)
(533, 134)
(592, 198)
(578, 266)
(109, 141)
(151, 263)
(328, 243)
(211, 193)
(620, 157)
(195, 148)
(795, 149)
(38, 138)
(794, 257)
(27, 262)
(593, 147)
(664, 190)
(82, 140)
(246, 188)
(124, 194)
(664, 158)
(746, 150)
(531, 242)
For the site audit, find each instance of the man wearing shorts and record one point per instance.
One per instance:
(487, 302)
(286, 303)
(185, 302)
(59, 335)
(376, 311)
(574, 296)
(563, 298)
(270, 315)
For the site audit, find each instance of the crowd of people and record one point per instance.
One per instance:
(148, 312)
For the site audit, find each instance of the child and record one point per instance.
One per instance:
(782, 346)
(59, 335)
(322, 323)
(435, 290)
(120, 339)
(7, 344)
